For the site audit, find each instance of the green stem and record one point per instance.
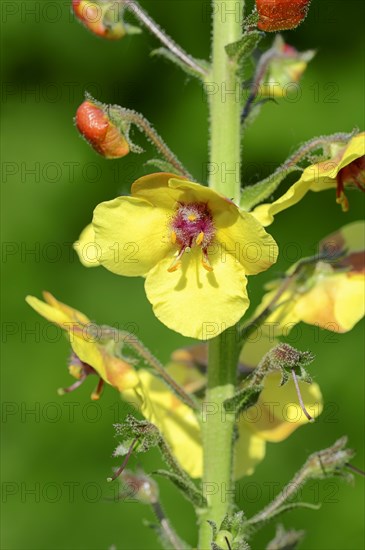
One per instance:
(218, 429)
(223, 88)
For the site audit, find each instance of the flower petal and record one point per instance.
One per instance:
(155, 189)
(87, 250)
(247, 241)
(132, 235)
(195, 302)
(316, 177)
(323, 175)
(335, 303)
(277, 413)
(57, 312)
(176, 421)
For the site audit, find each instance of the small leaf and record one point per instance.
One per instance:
(254, 194)
(162, 165)
(243, 48)
(186, 486)
(243, 399)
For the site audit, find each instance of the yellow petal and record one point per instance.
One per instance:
(57, 312)
(316, 177)
(277, 413)
(50, 313)
(249, 451)
(195, 302)
(246, 240)
(155, 189)
(335, 303)
(323, 175)
(72, 313)
(132, 235)
(87, 250)
(265, 213)
(176, 421)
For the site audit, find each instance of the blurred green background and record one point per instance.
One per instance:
(56, 458)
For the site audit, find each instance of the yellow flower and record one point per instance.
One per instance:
(345, 168)
(194, 246)
(90, 355)
(275, 416)
(332, 296)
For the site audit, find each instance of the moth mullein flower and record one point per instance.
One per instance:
(92, 347)
(193, 246)
(275, 416)
(280, 15)
(96, 127)
(99, 16)
(285, 69)
(345, 169)
(331, 293)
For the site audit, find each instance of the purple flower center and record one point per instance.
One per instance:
(192, 225)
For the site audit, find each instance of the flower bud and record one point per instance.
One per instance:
(94, 124)
(100, 17)
(142, 487)
(287, 66)
(280, 15)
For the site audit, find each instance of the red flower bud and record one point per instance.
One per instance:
(99, 17)
(100, 132)
(280, 15)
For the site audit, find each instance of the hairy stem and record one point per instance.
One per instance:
(164, 38)
(127, 115)
(224, 96)
(218, 429)
(224, 168)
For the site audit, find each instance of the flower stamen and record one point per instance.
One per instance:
(192, 225)
(200, 238)
(95, 396)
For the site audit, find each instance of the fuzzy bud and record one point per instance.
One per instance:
(100, 17)
(280, 15)
(141, 486)
(96, 127)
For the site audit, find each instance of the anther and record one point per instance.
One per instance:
(95, 396)
(205, 261)
(200, 238)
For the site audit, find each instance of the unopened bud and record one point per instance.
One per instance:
(286, 66)
(94, 124)
(101, 17)
(280, 15)
(143, 488)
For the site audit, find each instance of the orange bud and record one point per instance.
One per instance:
(93, 123)
(280, 15)
(99, 17)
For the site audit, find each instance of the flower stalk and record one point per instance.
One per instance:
(225, 105)
(225, 144)
(166, 40)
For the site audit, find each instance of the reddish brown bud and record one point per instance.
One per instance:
(280, 15)
(93, 123)
(100, 17)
